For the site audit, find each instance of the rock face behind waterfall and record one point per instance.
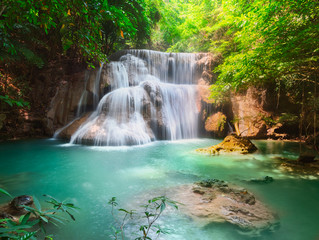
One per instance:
(148, 95)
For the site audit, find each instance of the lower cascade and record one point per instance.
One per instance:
(151, 96)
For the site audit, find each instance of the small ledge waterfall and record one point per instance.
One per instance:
(152, 96)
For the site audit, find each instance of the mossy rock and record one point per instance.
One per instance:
(231, 143)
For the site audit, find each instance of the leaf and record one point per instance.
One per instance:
(122, 34)
(23, 219)
(4, 191)
(123, 210)
(56, 219)
(163, 206)
(27, 236)
(44, 219)
(37, 203)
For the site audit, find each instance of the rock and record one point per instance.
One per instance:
(231, 143)
(205, 63)
(17, 202)
(307, 157)
(216, 123)
(239, 194)
(217, 201)
(64, 104)
(249, 112)
(68, 131)
(300, 168)
(14, 209)
(266, 179)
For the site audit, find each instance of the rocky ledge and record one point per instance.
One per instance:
(305, 165)
(217, 201)
(231, 143)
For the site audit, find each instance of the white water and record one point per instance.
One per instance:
(153, 97)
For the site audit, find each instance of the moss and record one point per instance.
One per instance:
(231, 143)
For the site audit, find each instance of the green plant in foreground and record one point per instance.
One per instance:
(151, 213)
(35, 220)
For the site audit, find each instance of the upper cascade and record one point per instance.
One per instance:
(152, 96)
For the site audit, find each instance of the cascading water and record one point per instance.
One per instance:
(153, 96)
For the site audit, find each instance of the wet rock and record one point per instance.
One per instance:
(15, 208)
(70, 129)
(263, 180)
(18, 202)
(215, 200)
(307, 157)
(300, 168)
(231, 143)
(242, 195)
(198, 190)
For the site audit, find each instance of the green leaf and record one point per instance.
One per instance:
(123, 210)
(23, 219)
(27, 236)
(37, 203)
(163, 206)
(4, 191)
(44, 219)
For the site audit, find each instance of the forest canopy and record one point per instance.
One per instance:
(259, 42)
(36, 32)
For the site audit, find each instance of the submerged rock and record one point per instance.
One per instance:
(231, 143)
(217, 201)
(307, 158)
(263, 180)
(300, 168)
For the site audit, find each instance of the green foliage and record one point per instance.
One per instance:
(35, 32)
(2, 191)
(90, 28)
(275, 40)
(184, 26)
(221, 123)
(288, 118)
(151, 213)
(35, 220)
(262, 42)
(19, 103)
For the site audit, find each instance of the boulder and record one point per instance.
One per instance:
(215, 123)
(231, 144)
(214, 200)
(71, 128)
(14, 209)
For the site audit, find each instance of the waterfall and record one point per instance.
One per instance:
(153, 97)
(83, 99)
(96, 89)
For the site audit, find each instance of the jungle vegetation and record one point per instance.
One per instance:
(261, 43)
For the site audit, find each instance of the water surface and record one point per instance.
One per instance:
(90, 176)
